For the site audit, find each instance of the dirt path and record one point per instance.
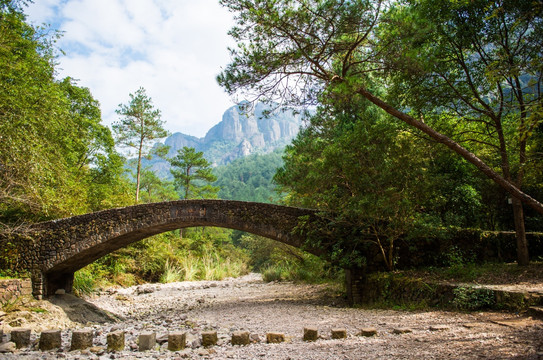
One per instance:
(251, 305)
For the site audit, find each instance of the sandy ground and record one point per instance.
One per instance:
(251, 305)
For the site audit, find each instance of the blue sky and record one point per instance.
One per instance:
(173, 48)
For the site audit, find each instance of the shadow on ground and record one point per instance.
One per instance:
(81, 311)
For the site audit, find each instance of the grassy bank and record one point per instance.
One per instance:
(459, 287)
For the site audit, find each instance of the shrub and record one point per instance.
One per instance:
(470, 298)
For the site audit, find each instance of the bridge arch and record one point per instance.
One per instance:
(66, 245)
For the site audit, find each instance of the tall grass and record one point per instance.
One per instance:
(166, 258)
(311, 270)
(172, 273)
(209, 266)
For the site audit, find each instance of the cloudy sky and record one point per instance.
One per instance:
(173, 48)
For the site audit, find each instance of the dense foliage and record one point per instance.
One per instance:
(250, 178)
(193, 175)
(56, 158)
(470, 67)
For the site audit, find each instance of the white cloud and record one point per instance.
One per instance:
(173, 48)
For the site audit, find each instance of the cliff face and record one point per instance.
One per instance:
(260, 126)
(243, 130)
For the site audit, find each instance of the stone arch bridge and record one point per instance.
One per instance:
(54, 250)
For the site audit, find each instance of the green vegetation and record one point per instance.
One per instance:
(56, 158)
(280, 262)
(192, 174)
(392, 83)
(489, 273)
(250, 178)
(139, 126)
(446, 288)
(202, 254)
(421, 73)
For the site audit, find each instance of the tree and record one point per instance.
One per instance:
(485, 71)
(139, 126)
(193, 174)
(155, 189)
(54, 152)
(300, 52)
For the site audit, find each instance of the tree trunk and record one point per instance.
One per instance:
(138, 181)
(523, 257)
(138, 171)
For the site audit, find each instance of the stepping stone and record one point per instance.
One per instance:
(240, 338)
(339, 333)
(82, 339)
(209, 338)
(311, 334)
(402, 331)
(50, 339)
(367, 332)
(439, 328)
(177, 341)
(21, 337)
(147, 341)
(275, 338)
(115, 341)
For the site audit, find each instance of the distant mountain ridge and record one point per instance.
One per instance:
(243, 130)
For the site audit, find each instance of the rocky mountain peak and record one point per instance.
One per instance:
(243, 130)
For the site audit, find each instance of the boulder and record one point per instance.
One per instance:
(147, 341)
(275, 338)
(209, 338)
(339, 333)
(21, 337)
(82, 339)
(367, 332)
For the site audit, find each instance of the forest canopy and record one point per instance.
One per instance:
(464, 74)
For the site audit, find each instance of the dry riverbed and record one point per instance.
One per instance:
(249, 304)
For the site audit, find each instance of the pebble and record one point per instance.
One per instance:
(8, 347)
(439, 328)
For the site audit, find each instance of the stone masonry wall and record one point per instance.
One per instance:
(13, 288)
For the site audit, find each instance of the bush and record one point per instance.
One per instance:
(89, 279)
(470, 298)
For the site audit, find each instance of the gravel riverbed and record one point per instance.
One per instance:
(251, 305)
